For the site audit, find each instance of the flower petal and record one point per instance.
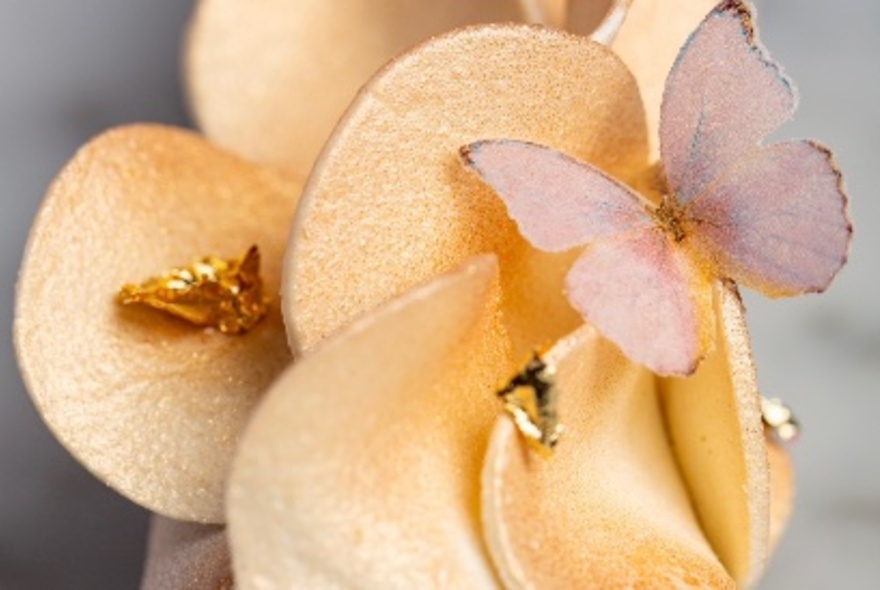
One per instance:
(609, 508)
(648, 42)
(271, 78)
(390, 203)
(361, 467)
(714, 421)
(151, 405)
(183, 555)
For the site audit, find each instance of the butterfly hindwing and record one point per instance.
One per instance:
(557, 202)
(776, 220)
(723, 96)
(644, 294)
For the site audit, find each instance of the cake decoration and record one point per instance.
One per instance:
(659, 481)
(211, 292)
(530, 398)
(770, 217)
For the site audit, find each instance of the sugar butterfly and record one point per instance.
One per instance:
(772, 217)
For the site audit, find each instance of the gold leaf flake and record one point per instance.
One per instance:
(212, 292)
(530, 397)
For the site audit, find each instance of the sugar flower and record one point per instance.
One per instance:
(380, 456)
(373, 461)
(388, 206)
(151, 406)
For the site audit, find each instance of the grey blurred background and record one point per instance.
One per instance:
(72, 69)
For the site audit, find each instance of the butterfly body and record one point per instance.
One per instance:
(772, 217)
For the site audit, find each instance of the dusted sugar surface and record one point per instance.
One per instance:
(390, 202)
(362, 466)
(149, 403)
(280, 106)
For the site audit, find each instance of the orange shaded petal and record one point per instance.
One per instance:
(150, 404)
(271, 78)
(361, 467)
(714, 421)
(390, 204)
(608, 509)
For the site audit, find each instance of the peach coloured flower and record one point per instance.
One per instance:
(148, 404)
(374, 462)
(151, 406)
(155, 408)
(371, 460)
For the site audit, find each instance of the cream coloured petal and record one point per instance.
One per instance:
(151, 405)
(271, 78)
(608, 509)
(390, 203)
(186, 556)
(648, 42)
(361, 467)
(782, 490)
(714, 421)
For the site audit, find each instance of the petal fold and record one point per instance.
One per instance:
(714, 422)
(361, 468)
(608, 509)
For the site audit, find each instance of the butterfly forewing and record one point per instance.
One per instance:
(776, 220)
(723, 96)
(557, 202)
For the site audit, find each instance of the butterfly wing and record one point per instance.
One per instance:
(723, 96)
(771, 217)
(644, 294)
(776, 220)
(557, 202)
(632, 282)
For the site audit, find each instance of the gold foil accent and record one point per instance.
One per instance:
(223, 294)
(530, 397)
(779, 418)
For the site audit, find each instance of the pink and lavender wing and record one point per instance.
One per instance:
(557, 202)
(723, 96)
(776, 221)
(644, 294)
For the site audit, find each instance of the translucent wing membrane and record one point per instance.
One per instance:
(644, 294)
(723, 96)
(776, 221)
(557, 202)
